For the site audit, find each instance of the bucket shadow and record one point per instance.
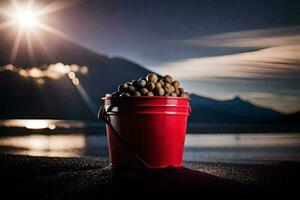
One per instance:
(175, 181)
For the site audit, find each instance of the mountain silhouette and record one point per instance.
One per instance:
(293, 118)
(23, 97)
(229, 111)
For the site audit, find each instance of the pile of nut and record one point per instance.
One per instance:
(152, 85)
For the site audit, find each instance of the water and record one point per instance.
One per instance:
(231, 148)
(57, 138)
(51, 124)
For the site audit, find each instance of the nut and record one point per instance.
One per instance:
(176, 84)
(131, 89)
(158, 85)
(137, 93)
(122, 87)
(177, 92)
(162, 82)
(152, 78)
(168, 79)
(184, 94)
(150, 86)
(173, 95)
(142, 82)
(134, 83)
(144, 91)
(150, 94)
(159, 91)
(167, 84)
(169, 89)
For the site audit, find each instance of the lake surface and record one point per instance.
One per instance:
(63, 138)
(225, 148)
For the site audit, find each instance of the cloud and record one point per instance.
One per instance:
(267, 74)
(261, 38)
(278, 55)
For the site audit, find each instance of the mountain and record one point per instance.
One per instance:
(208, 110)
(293, 118)
(23, 97)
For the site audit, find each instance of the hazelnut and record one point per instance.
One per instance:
(169, 89)
(159, 91)
(184, 94)
(150, 86)
(167, 84)
(152, 78)
(134, 83)
(137, 93)
(158, 85)
(123, 87)
(150, 94)
(168, 79)
(176, 84)
(173, 95)
(131, 89)
(144, 91)
(162, 82)
(142, 82)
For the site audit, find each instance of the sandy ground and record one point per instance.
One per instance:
(92, 178)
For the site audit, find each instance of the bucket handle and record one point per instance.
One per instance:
(105, 117)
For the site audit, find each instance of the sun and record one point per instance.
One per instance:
(25, 18)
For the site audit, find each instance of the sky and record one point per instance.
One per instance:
(218, 49)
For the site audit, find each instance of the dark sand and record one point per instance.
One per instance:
(90, 178)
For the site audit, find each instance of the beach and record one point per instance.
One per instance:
(93, 178)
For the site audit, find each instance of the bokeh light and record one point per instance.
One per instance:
(71, 75)
(75, 81)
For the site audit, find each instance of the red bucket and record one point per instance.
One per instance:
(145, 131)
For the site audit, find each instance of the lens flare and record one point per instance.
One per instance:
(25, 18)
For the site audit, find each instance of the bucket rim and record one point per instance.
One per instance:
(146, 97)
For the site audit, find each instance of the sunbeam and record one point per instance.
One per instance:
(16, 45)
(6, 24)
(54, 31)
(55, 6)
(42, 44)
(25, 17)
(30, 48)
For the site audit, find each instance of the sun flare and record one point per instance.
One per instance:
(25, 18)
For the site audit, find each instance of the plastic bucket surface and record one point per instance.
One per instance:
(145, 131)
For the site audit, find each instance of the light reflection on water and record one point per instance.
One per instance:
(45, 145)
(46, 123)
(233, 148)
